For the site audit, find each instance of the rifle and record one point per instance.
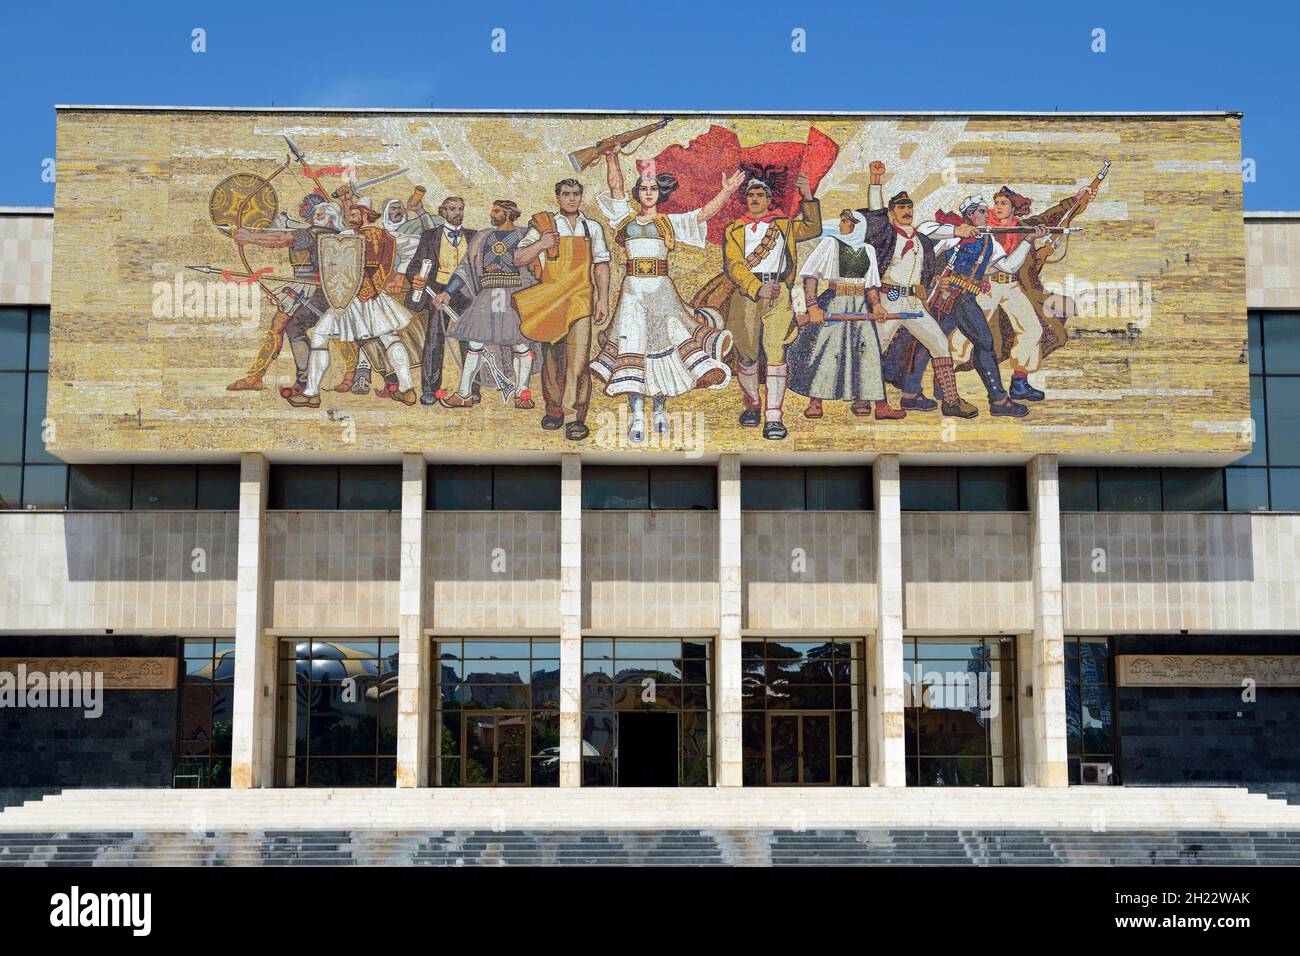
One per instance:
(1026, 230)
(1043, 254)
(583, 158)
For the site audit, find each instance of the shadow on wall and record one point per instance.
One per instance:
(1160, 548)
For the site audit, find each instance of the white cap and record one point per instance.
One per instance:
(971, 202)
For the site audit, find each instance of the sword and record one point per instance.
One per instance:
(357, 188)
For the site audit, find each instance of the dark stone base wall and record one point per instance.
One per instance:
(129, 745)
(1208, 735)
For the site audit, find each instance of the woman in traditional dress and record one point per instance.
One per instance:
(655, 345)
(836, 356)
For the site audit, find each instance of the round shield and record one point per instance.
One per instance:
(230, 193)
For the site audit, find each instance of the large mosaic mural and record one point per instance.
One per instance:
(339, 282)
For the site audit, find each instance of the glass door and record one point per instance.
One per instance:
(801, 748)
(496, 749)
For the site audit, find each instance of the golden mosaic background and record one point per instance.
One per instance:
(132, 210)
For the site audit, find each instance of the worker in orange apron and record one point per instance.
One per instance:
(569, 308)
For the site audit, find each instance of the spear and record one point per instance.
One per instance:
(227, 274)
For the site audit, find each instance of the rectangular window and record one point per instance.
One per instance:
(641, 488)
(774, 488)
(304, 488)
(1128, 489)
(164, 487)
(1265, 479)
(493, 488)
(370, 488)
(459, 488)
(30, 477)
(839, 489)
(1078, 488)
(616, 488)
(1193, 489)
(99, 488)
(218, 488)
(992, 489)
(206, 717)
(1089, 704)
(963, 489)
(683, 488)
(526, 488)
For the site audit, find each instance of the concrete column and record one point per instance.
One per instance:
(571, 620)
(728, 670)
(253, 731)
(412, 646)
(888, 758)
(1048, 669)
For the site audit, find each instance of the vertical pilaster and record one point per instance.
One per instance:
(1048, 672)
(885, 725)
(412, 653)
(253, 730)
(570, 620)
(729, 756)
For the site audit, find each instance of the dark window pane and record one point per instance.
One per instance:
(526, 488)
(11, 480)
(1078, 489)
(370, 487)
(1284, 487)
(13, 338)
(13, 390)
(1283, 419)
(45, 486)
(772, 489)
(1259, 453)
(460, 487)
(218, 488)
(1193, 489)
(38, 345)
(684, 487)
(839, 489)
(1128, 489)
(1247, 489)
(928, 489)
(992, 489)
(99, 488)
(304, 487)
(34, 447)
(1282, 343)
(1255, 346)
(616, 488)
(163, 487)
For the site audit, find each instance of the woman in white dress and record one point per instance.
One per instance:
(655, 345)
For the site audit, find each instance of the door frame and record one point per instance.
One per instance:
(496, 747)
(618, 741)
(799, 716)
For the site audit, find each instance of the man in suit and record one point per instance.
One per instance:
(760, 258)
(443, 247)
(908, 265)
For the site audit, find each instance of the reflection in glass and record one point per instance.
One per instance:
(960, 712)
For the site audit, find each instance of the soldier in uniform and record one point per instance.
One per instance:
(760, 257)
(309, 301)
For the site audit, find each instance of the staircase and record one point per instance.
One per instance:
(701, 827)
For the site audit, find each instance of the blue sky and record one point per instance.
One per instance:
(665, 54)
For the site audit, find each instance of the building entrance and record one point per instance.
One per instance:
(802, 748)
(647, 749)
(496, 748)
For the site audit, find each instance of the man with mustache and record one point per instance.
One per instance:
(443, 247)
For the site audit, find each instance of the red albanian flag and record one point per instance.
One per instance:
(699, 169)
